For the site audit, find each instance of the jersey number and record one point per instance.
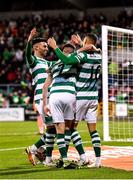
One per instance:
(95, 73)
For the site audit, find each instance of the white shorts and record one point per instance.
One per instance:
(62, 106)
(46, 120)
(86, 110)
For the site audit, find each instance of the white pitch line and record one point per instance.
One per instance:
(27, 133)
(19, 134)
(12, 149)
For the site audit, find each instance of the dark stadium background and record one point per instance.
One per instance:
(14, 5)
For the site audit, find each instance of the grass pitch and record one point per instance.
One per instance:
(15, 136)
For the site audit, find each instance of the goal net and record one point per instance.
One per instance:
(117, 81)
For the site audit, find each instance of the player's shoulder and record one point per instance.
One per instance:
(94, 55)
(98, 55)
(31, 62)
(81, 54)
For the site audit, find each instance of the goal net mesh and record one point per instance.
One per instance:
(119, 57)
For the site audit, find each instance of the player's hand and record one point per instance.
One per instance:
(46, 110)
(33, 33)
(89, 47)
(76, 40)
(52, 43)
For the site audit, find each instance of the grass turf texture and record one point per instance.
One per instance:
(14, 163)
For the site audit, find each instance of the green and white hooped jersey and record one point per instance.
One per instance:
(39, 75)
(87, 81)
(61, 84)
(37, 68)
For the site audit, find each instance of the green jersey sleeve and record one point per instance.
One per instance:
(69, 60)
(77, 58)
(30, 60)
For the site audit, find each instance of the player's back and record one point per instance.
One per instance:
(87, 81)
(61, 82)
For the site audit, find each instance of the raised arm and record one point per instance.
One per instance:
(28, 50)
(76, 40)
(88, 48)
(72, 59)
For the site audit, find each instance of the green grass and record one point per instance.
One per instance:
(14, 164)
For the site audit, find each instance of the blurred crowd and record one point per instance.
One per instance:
(13, 37)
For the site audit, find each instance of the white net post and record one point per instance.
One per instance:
(117, 81)
(105, 83)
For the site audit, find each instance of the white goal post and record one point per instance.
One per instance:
(117, 83)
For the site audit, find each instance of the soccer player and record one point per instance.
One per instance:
(61, 105)
(38, 65)
(86, 86)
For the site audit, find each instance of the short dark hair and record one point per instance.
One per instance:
(68, 45)
(37, 40)
(93, 37)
